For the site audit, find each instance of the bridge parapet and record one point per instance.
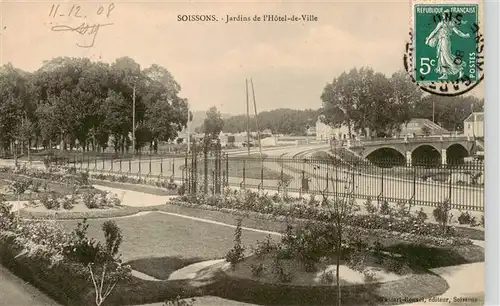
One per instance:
(406, 146)
(415, 140)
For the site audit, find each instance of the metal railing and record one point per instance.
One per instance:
(428, 184)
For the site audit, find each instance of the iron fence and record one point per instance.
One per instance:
(209, 172)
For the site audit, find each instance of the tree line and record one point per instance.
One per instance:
(362, 100)
(76, 102)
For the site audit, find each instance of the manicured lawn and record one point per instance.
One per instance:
(162, 267)
(158, 235)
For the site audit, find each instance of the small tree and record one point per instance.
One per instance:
(340, 209)
(102, 261)
(236, 254)
(213, 123)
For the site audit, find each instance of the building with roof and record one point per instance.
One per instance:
(324, 132)
(422, 127)
(474, 125)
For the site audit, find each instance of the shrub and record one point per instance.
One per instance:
(90, 200)
(177, 301)
(35, 185)
(369, 276)
(370, 207)
(6, 216)
(327, 277)
(257, 269)
(482, 220)
(83, 178)
(113, 237)
(421, 215)
(68, 203)
(466, 218)
(102, 261)
(182, 190)
(264, 247)
(20, 186)
(313, 241)
(281, 272)
(401, 209)
(385, 209)
(441, 213)
(50, 201)
(235, 255)
(312, 201)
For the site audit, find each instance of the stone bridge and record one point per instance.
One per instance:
(444, 149)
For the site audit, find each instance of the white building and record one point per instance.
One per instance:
(325, 132)
(474, 125)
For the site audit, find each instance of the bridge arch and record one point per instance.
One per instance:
(386, 156)
(455, 154)
(426, 154)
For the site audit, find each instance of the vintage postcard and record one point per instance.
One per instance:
(242, 153)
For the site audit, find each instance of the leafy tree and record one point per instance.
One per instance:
(406, 94)
(16, 102)
(213, 123)
(340, 98)
(449, 112)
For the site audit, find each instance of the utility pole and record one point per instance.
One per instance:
(248, 119)
(256, 118)
(188, 135)
(133, 120)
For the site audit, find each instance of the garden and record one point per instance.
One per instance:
(370, 254)
(372, 258)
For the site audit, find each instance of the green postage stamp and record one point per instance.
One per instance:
(444, 40)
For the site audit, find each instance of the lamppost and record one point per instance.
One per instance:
(15, 153)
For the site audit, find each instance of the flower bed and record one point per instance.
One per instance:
(409, 228)
(71, 177)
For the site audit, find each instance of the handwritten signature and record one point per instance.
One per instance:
(82, 29)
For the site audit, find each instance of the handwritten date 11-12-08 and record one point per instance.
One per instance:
(75, 11)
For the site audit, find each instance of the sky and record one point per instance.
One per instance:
(289, 62)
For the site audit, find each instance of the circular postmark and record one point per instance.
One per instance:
(435, 62)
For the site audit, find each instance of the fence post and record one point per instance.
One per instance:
(111, 169)
(205, 170)
(281, 180)
(120, 165)
(103, 165)
(129, 166)
(173, 168)
(150, 161)
(140, 166)
(449, 188)
(327, 181)
(213, 182)
(336, 180)
(161, 165)
(414, 187)
(244, 174)
(353, 181)
(227, 169)
(381, 194)
(187, 184)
